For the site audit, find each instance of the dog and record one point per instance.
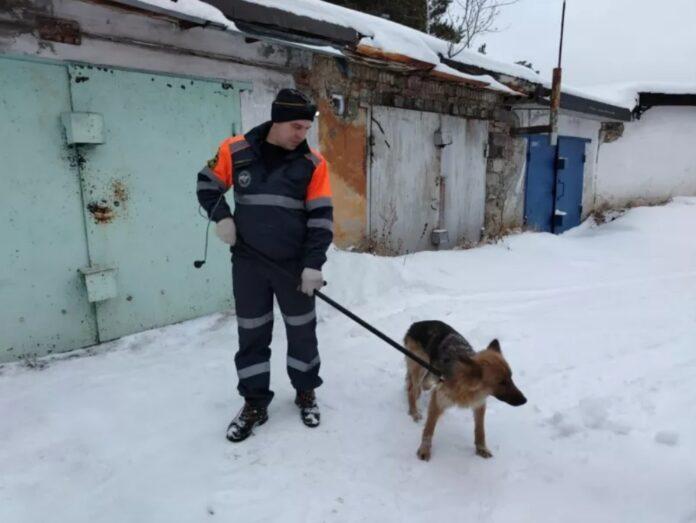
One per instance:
(468, 378)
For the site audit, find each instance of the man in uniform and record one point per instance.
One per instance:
(283, 209)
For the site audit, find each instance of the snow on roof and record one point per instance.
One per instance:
(395, 38)
(189, 9)
(378, 32)
(476, 59)
(589, 94)
(391, 38)
(488, 81)
(626, 94)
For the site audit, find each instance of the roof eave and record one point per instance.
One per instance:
(277, 20)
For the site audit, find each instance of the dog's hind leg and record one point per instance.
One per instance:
(435, 409)
(414, 376)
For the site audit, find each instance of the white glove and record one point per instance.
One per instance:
(226, 231)
(312, 280)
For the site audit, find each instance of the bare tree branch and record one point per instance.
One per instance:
(476, 18)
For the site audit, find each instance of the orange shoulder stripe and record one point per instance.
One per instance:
(223, 168)
(319, 186)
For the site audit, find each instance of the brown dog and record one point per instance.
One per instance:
(468, 378)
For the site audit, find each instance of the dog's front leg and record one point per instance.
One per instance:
(434, 411)
(414, 376)
(480, 432)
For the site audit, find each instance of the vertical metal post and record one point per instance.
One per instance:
(555, 108)
(556, 87)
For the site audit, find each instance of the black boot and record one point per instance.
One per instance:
(309, 410)
(249, 417)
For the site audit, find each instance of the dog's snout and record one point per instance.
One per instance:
(514, 398)
(515, 401)
(518, 401)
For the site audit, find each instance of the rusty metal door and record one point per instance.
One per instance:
(404, 178)
(464, 170)
(138, 178)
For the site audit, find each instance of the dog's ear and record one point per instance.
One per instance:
(494, 346)
(474, 370)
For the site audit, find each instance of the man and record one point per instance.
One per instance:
(282, 209)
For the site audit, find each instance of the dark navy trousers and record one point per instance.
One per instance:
(255, 283)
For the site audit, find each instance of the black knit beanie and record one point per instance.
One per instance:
(291, 104)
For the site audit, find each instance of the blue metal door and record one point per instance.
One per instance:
(568, 211)
(538, 197)
(541, 211)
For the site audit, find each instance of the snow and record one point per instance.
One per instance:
(377, 32)
(391, 37)
(599, 327)
(493, 84)
(626, 93)
(188, 8)
(602, 96)
(469, 57)
(316, 10)
(598, 96)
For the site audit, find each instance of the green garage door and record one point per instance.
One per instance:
(140, 193)
(112, 217)
(43, 302)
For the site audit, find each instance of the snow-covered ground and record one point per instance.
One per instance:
(599, 326)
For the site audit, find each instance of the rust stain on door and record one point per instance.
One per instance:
(105, 210)
(101, 212)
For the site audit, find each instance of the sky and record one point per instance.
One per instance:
(606, 41)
